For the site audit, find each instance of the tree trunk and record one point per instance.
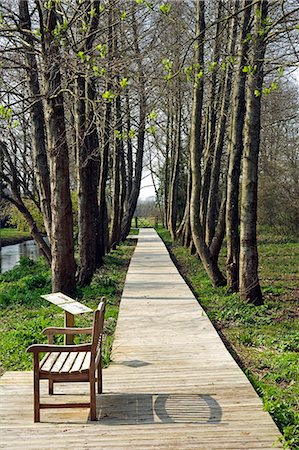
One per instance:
(116, 189)
(235, 154)
(211, 123)
(173, 188)
(195, 156)
(126, 223)
(41, 168)
(88, 163)
(212, 206)
(63, 261)
(250, 290)
(103, 213)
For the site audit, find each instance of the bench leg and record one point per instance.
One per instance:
(100, 378)
(51, 387)
(93, 404)
(36, 389)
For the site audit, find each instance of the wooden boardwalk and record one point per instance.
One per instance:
(172, 383)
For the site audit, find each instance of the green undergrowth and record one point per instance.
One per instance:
(23, 314)
(263, 339)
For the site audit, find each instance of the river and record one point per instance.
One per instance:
(11, 254)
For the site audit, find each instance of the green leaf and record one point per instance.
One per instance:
(103, 49)
(92, 12)
(167, 64)
(84, 26)
(48, 5)
(248, 38)
(245, 69)
(132, 133)
(123, 82)
(280, 71)
(152, 130)
(153, 115)
(108, 95)
(223, 66)
(199, 75)
(212, 66)
(165, 8)
(118, 135)
(81, 56)
(257, 93)
(139, 2)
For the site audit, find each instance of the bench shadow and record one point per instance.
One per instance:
(129, 409)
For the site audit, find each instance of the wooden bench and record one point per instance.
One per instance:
(70, 363)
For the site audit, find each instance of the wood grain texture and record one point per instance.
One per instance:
(172, 383)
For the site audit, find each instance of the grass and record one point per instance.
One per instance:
(264, 340)
(23, 314)
(12, 235)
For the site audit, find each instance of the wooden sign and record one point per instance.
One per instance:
(66, 303)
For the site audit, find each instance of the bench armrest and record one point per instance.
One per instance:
(52, 331)
(42, 348)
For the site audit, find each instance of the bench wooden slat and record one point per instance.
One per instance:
(78, 362)
(86, 362)
(59, 362)
(68, 364)
(48, 361)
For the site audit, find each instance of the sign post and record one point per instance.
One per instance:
(71, 308)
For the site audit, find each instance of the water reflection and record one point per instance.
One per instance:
(11, 254)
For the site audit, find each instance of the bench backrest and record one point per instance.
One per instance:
(98, 328)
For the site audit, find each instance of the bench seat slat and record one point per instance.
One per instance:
(48, 361)
(68, 363)
(86, 362)
(78, 362)
(56, 368)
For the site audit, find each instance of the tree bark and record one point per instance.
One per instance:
(88, 163)
(41, 168)
(235, 154)
(211, 122)
(63, 261)
(126, 223)
(195, 156)
(173, 187)
(212, 206)
(250, 290)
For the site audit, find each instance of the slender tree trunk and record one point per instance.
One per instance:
(103, 213)
(220, 136)
(173, 188)
(184, 231)
(41, 168)
(211, 122)
(129, 179)
(195, 156)
(166, 165)
(116, 188)
(250, 290)
(235, 154)
(88, 163)
(126, 225)
(63, 261)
